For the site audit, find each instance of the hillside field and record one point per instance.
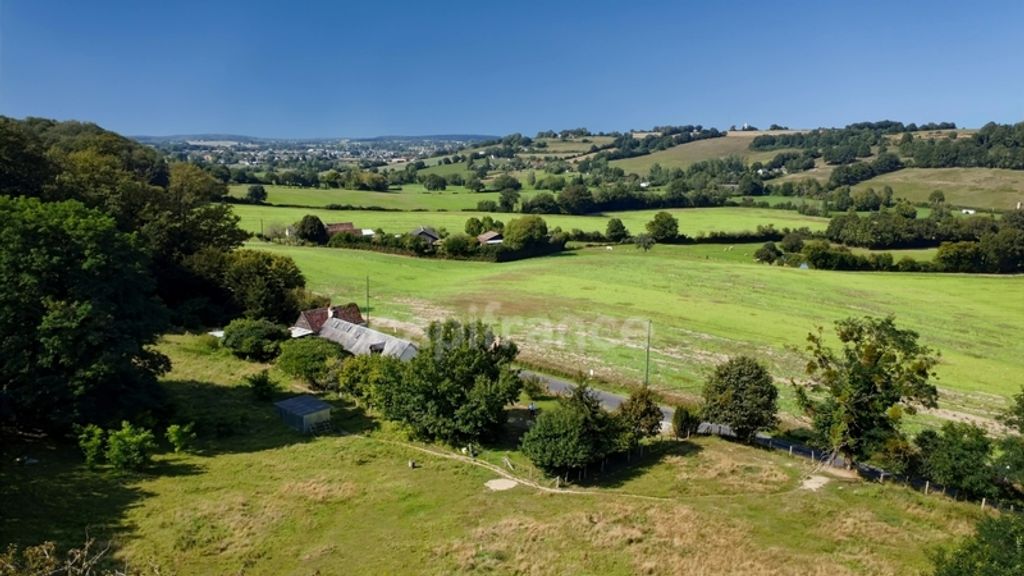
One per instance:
(682, 156)
(692, 221)
(266, 500)
(984, 188)
(588, 310)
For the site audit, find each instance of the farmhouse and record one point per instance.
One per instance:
(361, 341)
(311, 321)
(341, 227)
(304, 413)
(427, 233)
(490, 237)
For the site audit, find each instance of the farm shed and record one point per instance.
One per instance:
(303, 413)
(360, 340)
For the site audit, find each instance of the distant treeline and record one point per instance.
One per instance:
(627, 146)
(853, 135)
(971, 244)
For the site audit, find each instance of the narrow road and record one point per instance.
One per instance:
(612, 401)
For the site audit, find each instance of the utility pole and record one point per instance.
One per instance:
(367, 299)
(647, 366)
(261, 226)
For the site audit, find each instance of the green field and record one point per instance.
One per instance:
(265, 500)
(734, 144)
(410, 197)
(588, 310)
(986, 188)
(692, 221)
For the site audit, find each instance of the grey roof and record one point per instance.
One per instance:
(303, 405)
(360, 340)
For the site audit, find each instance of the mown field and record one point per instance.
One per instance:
(264, 500)
(410, 197)
(587, 310)
(733, 144)
(692, 221)
(971, 187)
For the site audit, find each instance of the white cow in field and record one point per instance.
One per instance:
(609, 248)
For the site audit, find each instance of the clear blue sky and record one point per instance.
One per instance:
(305, 68)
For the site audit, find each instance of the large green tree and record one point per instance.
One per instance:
(959, 457)
(663, 227)
(457, 388)
(995, 549)
(575, 434)
(857, 395)
(525, 232)
(742, 395)
(77, 316)
(639, 417)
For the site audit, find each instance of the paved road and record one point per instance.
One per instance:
(612, 401)
(608, 400)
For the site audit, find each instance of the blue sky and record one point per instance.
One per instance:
(304, 68)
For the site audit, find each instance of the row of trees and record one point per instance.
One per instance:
(523, 237)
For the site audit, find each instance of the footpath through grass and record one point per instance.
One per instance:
(260, 499)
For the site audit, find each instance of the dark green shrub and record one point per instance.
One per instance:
(129, 448)
(310, 359)
(180, 436)
(90, 440)
(685, 421)
(254, 339)
(534, 387)
(262, 385)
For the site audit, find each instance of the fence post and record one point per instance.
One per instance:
(927, 485)
(983, 503)
(791, 450)
(812, 454)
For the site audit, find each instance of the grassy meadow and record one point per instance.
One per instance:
(265, 500)
(692, 221)
(410, 197)
(985, 188)
(587, 310)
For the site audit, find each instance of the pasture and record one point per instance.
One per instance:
(410, 197)
(682, 156)
(984, 188)
(692, 221)
(265, 500)
(588, 309)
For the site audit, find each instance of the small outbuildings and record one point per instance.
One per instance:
(304, 413)
(490, 237)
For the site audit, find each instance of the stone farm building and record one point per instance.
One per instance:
(360, 340)
(311, 321)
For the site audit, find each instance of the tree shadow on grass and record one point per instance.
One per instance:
(58, 498)
(229, 419)
(620, 469)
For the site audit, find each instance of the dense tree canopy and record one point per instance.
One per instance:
(77, 314)
(457, 387)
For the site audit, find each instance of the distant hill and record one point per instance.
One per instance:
(682, 156)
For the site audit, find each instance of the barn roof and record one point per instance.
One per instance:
(314, 319)
(361, 341)
(489, 236)
(303, 405)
